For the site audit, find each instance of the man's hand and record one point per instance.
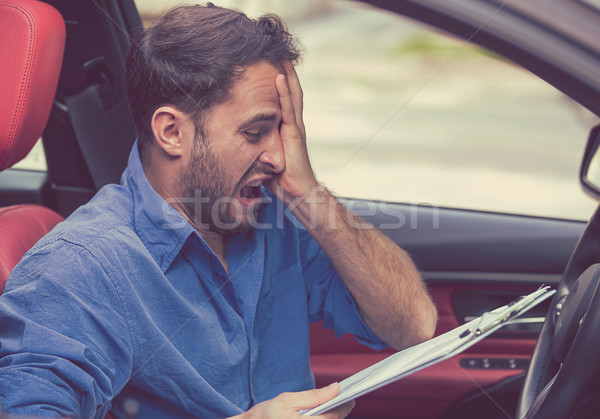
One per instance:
(298, 179)
(381, 277)
(287, 405)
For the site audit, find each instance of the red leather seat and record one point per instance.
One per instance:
(33, 40)
(21, 226)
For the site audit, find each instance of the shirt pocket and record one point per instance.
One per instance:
(283, 327)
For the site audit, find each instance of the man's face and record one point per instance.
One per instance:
(241, 149)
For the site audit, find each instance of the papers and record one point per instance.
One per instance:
(430, 352)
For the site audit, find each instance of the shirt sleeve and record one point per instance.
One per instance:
(329, 299)
(65, 348)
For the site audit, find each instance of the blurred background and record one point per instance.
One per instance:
(398, 112)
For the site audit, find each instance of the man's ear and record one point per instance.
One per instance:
(171, 127)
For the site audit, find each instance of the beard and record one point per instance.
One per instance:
(208, 193)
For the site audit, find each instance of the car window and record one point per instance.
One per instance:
(35, 160)
(397, 112)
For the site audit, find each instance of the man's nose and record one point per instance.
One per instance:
(273, 155)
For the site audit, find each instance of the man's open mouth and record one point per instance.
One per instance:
(251, 190)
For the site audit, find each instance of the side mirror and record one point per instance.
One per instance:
(589, 175)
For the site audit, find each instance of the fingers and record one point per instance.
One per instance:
(292, 89)
(340, 411)
(288, 114)
(313, 398)
(287, 405)
(295, 88)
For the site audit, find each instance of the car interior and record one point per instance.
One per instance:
(29, 85)
(63, 81)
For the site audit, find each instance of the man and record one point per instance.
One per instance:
(189, 287)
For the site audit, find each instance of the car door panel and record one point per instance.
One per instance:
(472, 262)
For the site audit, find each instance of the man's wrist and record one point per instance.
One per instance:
(315, 209)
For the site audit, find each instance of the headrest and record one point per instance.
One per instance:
(33, 42)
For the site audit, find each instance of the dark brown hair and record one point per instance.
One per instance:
(192, 56)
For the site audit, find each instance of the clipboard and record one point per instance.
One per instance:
(430, 352)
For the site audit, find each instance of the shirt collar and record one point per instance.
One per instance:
(162, 229)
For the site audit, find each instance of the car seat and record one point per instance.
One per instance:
(33, 41)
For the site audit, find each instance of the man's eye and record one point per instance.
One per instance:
(252, 136)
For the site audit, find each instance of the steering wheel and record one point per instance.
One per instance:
(565, 361)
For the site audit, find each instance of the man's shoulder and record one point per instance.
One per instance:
(106, 221)
(93, 239)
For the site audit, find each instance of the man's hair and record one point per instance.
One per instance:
(192, 56)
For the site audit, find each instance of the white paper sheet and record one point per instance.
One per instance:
(420, 356)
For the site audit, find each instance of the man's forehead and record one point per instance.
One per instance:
(254, 97)
(257, 76)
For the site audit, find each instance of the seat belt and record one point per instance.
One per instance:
(94, 135)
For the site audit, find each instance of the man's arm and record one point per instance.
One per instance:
(381, 277)
(64, 340)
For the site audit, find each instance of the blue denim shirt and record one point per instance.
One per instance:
(126, 300)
